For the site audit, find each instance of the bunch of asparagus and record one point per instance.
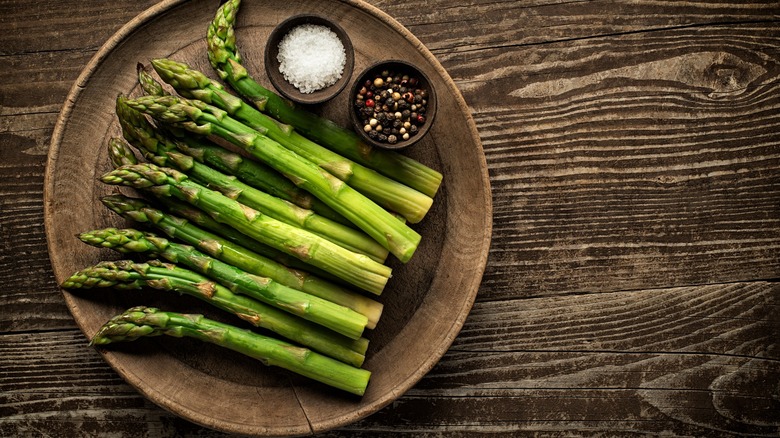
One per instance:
(261, 209)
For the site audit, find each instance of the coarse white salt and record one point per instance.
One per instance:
(311, 57)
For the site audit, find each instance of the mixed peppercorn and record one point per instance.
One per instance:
(392, 106)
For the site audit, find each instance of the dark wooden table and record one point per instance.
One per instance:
(631, 286)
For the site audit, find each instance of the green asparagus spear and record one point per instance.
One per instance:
(257, 175)
(225, 59)
(287, 212)
(126, 274)
(148, 83)
(120, 154)
(356, 269)
(335, 317)
(386, 192)
(247, 171)
(161, 149)
(242, 258)
(202, 118)
(145, 321)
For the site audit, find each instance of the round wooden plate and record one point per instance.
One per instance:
(426, 301)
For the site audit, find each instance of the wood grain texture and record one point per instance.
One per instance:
(632, 148)
(686, 360)
(38, 69)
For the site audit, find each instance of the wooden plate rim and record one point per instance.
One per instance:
(480, 262)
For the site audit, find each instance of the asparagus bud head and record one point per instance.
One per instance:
(134, 323)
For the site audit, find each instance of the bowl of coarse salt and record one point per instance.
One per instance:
(309, 59)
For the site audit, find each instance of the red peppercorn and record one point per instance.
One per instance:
(420, 118)
(369, 94)
(409, 97)
(370, 103)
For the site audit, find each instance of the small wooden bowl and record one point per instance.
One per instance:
(277, 78)
(402, 68)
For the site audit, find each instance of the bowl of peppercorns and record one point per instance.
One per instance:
(392, 104)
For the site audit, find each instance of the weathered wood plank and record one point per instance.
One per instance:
(691, 360)
(574, 165)
(635, 168)
(588, 138)
(53, 26)
(53, 384)
(631, 145)
(469, 27)
(30, 298)
(43, 51)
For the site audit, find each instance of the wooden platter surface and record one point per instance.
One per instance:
(426, 301)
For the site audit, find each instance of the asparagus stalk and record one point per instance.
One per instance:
(386, 192)
(202, 118)
(120, 154)
(225, 59)
(356, 269)
(335, 317)
(138, 322)
(242, 258)
(148, 83)
(287, 212)
(252, 173)
(125, 274)
(162, 150)
(256, 174)
(203, 220)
